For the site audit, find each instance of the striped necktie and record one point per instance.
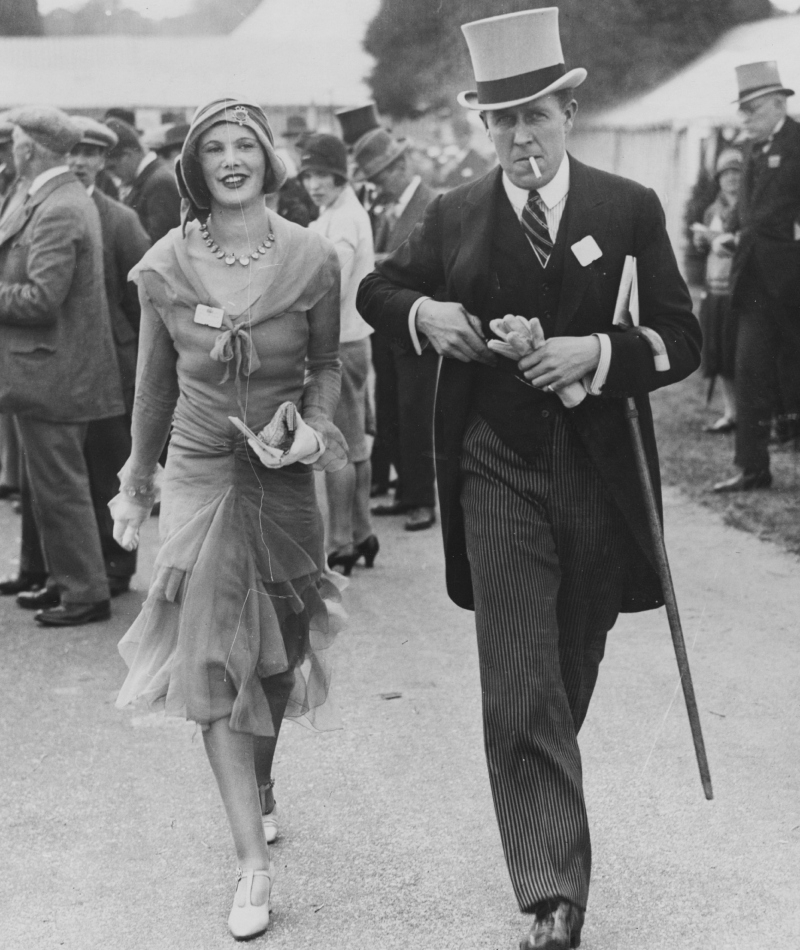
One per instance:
(535, 227)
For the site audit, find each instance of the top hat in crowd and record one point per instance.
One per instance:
(516, 58)
(376, 151)
(759, 79)
(94, 133)
(357, 122)
(296, 125)
(324, 155)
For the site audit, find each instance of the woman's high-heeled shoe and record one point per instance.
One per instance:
(246, 919)
(345, 558)
(368, 548)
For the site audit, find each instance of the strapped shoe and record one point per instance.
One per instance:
(247, 920)
(557, 926)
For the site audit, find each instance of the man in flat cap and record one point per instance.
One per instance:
(544, 520)
(56, 347)
(7, 171)
(152, 189)
(405, 383)
(765, 279)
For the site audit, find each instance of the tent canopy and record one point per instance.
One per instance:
(287, 52)
(706, 89)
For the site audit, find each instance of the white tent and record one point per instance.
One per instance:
(657, 138)
(287, 53)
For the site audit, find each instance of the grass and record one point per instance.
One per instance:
(693, 460)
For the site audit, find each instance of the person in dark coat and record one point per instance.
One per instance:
(462, 163)
(59, 367)
(544, 521)
(152, 189)
(405, 382)
(765, 281)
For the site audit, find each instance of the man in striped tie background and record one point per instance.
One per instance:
(543, 516)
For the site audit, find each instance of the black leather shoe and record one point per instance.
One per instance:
(24, 581)
(395, 508)
(744, 482)
(368, 549)
(557, 926)
(73, 615)
(345, 558)
(118, 585)
(40, 598)
(419, 519)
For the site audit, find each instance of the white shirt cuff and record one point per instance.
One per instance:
(594, 383)
(412, 323)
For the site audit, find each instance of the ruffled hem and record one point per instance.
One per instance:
(228, 586)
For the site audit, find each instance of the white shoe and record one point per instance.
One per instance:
(248, 920)
(270, 823)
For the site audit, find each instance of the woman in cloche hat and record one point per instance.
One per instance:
(239, 335)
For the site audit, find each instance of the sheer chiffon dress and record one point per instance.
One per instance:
(240, 591)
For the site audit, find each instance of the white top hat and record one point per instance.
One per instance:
(516, 57)
(759, 79)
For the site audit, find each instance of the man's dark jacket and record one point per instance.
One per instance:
(768, 213)
(447, 256)
(124, 244)
(154, 197)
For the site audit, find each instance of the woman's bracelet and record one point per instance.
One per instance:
(144, 494)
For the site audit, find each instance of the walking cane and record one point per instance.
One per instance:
(665, 576)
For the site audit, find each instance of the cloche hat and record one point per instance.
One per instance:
(325, 155)
(729, 158)
(759, 79)
(516, 58)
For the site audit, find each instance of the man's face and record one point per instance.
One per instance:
(86, 161)
(760, 116)
(537, 129)
(124, 164)
(392, 181)
(22, 150)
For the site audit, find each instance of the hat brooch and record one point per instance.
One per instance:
(240, 115)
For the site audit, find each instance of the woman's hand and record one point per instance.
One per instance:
(128, 517)
(307, 447)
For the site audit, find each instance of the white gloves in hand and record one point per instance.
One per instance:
(128, 517)
(307, 447)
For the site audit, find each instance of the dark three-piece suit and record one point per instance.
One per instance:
(405, 385)
(765, 292)
(544, 523)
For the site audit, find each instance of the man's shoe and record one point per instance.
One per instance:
(118, 585)
(557, 926)
(40, 598)
(73, 615)
(395, 508)
(721, 426)
(744, 482)
(23, 581)
(419, 519)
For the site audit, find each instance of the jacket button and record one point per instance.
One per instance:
(545, 413)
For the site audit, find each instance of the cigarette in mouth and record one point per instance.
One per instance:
(535, 167)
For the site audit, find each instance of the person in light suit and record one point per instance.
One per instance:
(58, 366)
(405, 383)
(544, 522)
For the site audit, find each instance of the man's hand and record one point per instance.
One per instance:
(561, 360)
(453, 332)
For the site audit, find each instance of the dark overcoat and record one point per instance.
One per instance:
(155, 198)
(57, 357)
(448, 256)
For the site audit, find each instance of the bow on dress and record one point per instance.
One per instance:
(235, 345)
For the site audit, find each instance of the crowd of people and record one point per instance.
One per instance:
(205, 335)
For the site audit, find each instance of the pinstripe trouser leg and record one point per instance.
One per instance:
(545, 550)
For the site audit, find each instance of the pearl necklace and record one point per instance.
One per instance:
(230, 257)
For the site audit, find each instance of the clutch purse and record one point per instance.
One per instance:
(279, 431)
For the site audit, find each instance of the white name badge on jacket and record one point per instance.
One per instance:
(586, 250)
(209, 316)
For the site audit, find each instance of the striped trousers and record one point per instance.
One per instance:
(545, 546)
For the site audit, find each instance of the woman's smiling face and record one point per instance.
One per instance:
(233, 163)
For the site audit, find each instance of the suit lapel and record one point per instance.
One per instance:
(586, 214)
(471, 270)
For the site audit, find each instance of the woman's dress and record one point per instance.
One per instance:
(717, 319)
(239, 590)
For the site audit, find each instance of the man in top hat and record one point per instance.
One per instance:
(405, 382)
(153, 191)
(59, 367)
(357, 121)
(544, 522)
(765, 280)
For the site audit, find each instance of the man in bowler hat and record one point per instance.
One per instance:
(765, 279)
(544, 521)
(59, 366)
(405, 382)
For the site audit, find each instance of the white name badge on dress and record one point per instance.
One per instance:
(586, 250)
(209, 316)
(774, 161)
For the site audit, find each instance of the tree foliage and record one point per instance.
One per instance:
(628, 46)
(113, 17)
(19, 18)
